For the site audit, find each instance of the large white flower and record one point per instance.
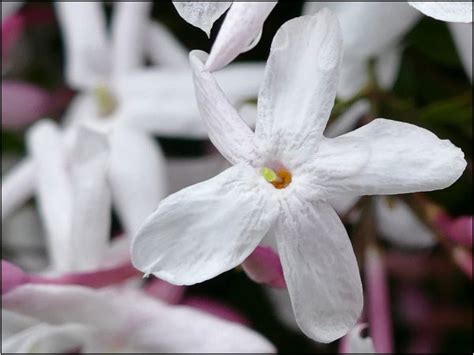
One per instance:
(239, 32)
(61, 319)
(282, 177)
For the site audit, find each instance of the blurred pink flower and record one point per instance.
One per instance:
(458, 229)
(169, 293)
(264, 266)
(22, 103)
(216, 308)
(355, 343)
(12, 28)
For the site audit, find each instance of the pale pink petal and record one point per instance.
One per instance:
(263, 266)
(129, 26)
(22, 103)
(165, 291)
(378, 302)
(463, 258)
(12, 277)
(241, 26)
(216, 309)
(227, 130)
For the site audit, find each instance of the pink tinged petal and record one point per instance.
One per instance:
(12, 277)
(12, 29)
(450, 11)
(401, 158)
(458, 229)
(398, 224)
(9, 8)
(227, 130)
(138, 317)
(206, 229)
(320, 270)
(129, 26)
(22, 103)
(299, 87)
(90, 225)
(163, 47)
(462, 35)
(202, 14)
(463, 258)
(354, 343)
(241, 26)
(54, 190)
(137, 176)
(216, 309)
(378, 302)
(84, 34)
(165, 291)
(17, 187)
(263, 266)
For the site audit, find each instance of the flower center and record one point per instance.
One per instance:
(105, 99)
(280, 178)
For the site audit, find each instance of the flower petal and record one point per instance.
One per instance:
(403, 158)
(399, 225)
(201, 14)
(300, 83)
(90, 227)
(85, 39)
(137, 176)
(10, 7)
(164, 48)
(450, 11)
(22, 103)
(462, 35)
(354, 343)
(54, 190)
(227, 130)
(263, 266)
(206, 229)
(347, 121)
(17, 186)
(241, 26)
(320, 270)
(129, 26)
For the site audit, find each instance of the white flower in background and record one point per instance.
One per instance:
(282, 178)
(386, 23)
(355, 343)
(239, 32)
(61, 319)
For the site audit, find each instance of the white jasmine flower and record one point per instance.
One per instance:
(282, 178)
(239, 32)
(449, 11)
(61, 319)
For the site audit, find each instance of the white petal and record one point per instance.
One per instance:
(90, 227)
(356, 344)
(241, 26)
(184, 172)
(129, 26)
(137, 176)
(17, 187)
(83, 108)
(227, 130)
(451, 11)
(387, 67)
(377, 25)
(402, 158)
(320, 270)
(206, 229)
(398, 224)
(462, 35)
(163, 47)
(201, 14)
(300, 83)
(280, 300)
(10, 7)
(85, 40)
(162, 101)
(347, 121)
(54, 190)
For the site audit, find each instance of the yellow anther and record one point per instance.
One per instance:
(106, 101)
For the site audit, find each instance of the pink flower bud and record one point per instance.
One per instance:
(12, 277)
(263, 266)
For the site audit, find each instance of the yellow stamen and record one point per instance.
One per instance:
(106, 101)
(280, 179)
